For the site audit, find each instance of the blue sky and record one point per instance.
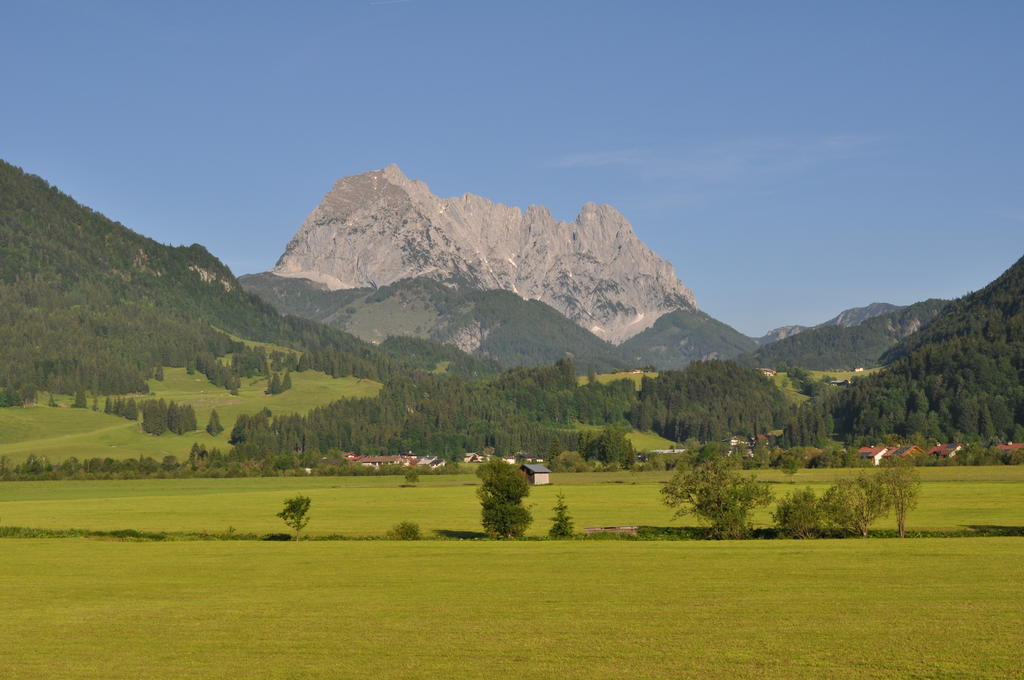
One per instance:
(791, 159)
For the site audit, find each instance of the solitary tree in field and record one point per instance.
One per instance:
(902, 486)
(716, 493)
(214, 428)
(411, 477)
(854, 504)
(501, 499)
(296, 513)
(562, 522)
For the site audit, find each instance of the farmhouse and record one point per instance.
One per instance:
(1010, 447)
(536, 474)
(473, 458)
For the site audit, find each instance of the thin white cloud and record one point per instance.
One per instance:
(728, 160)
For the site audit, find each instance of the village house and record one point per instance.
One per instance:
(536, 475)
(768, 372)
(904, 452)
(1010, 447)
(945, 450)
(432, 462)
(878, 453)
(380, 461)
(524, 457)
(473, 458)
(875, 453)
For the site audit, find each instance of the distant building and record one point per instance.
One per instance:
(1010, 447)
(904, 452)
(770, 372)
(945, 450)
(473, 458)
(536, 475)
(380, 461)
(875, 453)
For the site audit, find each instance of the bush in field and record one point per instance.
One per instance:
(411, 477)
(853, 505)
(405, 531)
(799, 514)
(716, 493)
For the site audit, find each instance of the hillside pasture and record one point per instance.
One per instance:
(605, 378)
(61, 432)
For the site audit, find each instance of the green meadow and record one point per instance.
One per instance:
(735, 610)
(840, 609)
(952, 498)
(62, 432)
(605, 378)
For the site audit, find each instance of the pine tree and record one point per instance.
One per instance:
(80, 401)
(214, 428)
(562, 523)
(286, 384)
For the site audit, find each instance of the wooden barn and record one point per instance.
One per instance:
(536, 474)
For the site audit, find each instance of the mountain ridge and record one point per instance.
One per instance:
(380, 227)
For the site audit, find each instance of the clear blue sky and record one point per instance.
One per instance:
(791, 159)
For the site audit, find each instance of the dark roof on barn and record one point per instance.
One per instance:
(534, 468)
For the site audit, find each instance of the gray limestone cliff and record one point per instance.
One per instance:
(380, 227)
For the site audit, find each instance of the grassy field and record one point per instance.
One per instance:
(59, 433)
(642, 441)
(951, 498)
(840, 609)
(605, 378)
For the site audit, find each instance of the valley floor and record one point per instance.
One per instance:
(951, 498)
(949, 608)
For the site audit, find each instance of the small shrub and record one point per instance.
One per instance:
(405, 531)
(799, 515)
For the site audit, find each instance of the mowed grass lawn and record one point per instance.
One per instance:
(840, 609)
(951, 498)
(59, 433)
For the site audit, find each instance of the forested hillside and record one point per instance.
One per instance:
(683, 336)
(88, 305)
(490, 324)
(838, 347)
(960, 377)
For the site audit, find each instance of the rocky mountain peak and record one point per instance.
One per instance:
(379, 227)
